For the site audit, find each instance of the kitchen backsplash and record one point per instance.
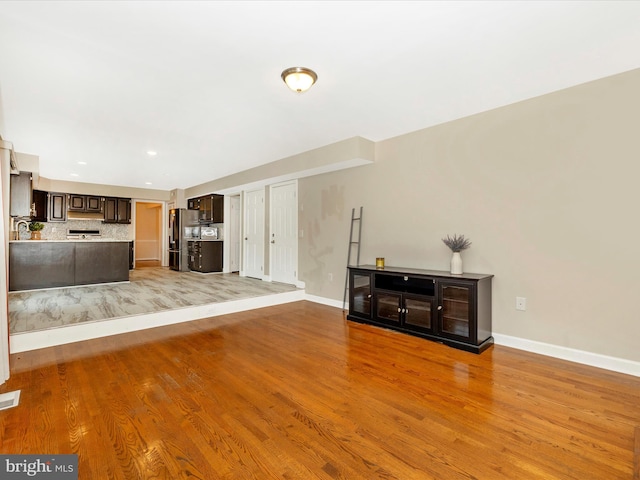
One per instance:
(58, 230)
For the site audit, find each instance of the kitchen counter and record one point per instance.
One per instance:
(35, 264)
(84, 240)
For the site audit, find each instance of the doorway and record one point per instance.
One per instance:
(147, 245)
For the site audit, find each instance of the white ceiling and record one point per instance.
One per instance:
(199, 82)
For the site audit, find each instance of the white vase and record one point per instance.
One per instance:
(456, 263)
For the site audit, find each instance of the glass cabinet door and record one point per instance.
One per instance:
(418, 313)
(360, 298)
(455, 309)
(388, 307)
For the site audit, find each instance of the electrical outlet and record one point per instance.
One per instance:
(521, 303)
(331, 277)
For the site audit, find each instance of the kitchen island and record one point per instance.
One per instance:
(35, 264)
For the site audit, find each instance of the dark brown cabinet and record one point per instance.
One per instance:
(49, 206)
(451, 309)
(205, 256)
(84, 203)
(34, 265)
(57, 207)
(117, 210)
(210, 208)
(40, 211)
(360, 293)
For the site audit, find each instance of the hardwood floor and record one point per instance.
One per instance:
(297, 392)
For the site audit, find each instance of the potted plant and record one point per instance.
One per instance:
(34, 228)
(457, 243)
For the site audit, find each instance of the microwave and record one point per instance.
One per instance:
(192, 232)
(208, 233)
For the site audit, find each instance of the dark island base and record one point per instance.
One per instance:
(49, 264)
(446, 341)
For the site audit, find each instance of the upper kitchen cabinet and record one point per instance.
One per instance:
(193, 204)
(21, 196)
(85, 203)
(117, 210)
(40, 204)
(57, 207)
(211, 209)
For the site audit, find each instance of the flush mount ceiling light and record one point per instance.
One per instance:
(299, 79)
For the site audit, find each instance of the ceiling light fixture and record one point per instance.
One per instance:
(151, 153)
(299, 79)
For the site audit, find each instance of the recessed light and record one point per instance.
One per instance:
(82, 163)
(148, 183)
(151, 153)
(75, 175)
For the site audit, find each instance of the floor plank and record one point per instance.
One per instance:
(297, 392)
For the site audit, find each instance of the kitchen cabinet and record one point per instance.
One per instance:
(57, 207)
(20, 194)
(117, 210)
(40, 204)
(84, 203)
(451, 309)
(49, 206)
(205, 256)
(34, 265)
(210, 208)
(193, 204)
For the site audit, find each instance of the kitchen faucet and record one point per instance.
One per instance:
(18, 223)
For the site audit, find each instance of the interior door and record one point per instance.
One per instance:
(283, 258)
(233, 237)
(254, 234)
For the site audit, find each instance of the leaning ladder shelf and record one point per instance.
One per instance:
(353, 245)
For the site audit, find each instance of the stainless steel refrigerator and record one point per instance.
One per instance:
(180, 219)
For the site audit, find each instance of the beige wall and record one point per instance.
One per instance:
(547, 191)
(148, 231)
(49, 185)
(336, 156)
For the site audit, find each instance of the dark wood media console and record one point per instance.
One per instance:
(451, 309)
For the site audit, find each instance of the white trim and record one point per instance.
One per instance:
(13, 397)
(615, 364)
(597, 360)
(22, 342)
(324, 301)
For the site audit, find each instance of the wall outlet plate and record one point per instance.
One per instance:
(521, 303)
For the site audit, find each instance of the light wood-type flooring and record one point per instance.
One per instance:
(297, 392)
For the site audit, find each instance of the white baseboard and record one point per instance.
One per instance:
(22, 342)
(325, 301)
(614, 364)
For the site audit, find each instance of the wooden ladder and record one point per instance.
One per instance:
(353, 245)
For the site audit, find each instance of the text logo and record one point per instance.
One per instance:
(46, 467)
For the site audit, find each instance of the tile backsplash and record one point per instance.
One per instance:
(58, 230)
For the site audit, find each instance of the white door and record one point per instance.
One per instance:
(254, 234)
(234, 233)
(283, 233)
